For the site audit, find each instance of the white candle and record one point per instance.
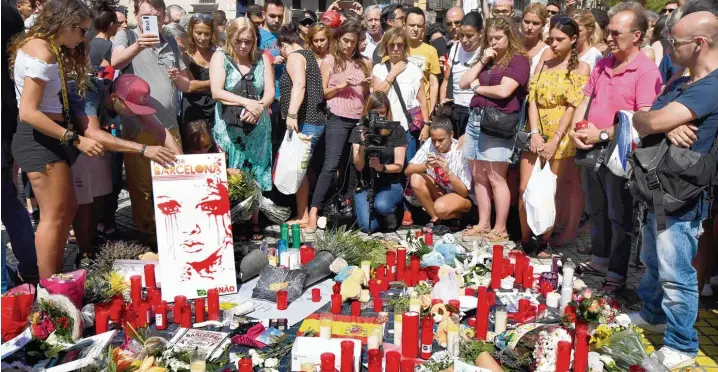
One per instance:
(500, 320)
(284, 259)
(366, 267)
(372, 342)
(567, 285)
(452, 339)
(325, 331)
(294, 259)
(552, 299)
(397, 329)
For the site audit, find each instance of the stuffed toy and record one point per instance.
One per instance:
(442, 316)
(351, 285)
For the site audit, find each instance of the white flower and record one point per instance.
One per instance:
(271, 363)
(234, 358)
(257, 359)
(622, 320)
(607, 361)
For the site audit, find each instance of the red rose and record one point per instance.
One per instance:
(63, 322)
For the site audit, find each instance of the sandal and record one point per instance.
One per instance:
(611, 286)
(257, 234)
(587, 268)
(474, 232)
(407, 220)
(493, 237)
(545, 251)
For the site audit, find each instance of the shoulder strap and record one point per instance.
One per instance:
(395, 85)
(454, 61)
(593, 95)
(538, 80)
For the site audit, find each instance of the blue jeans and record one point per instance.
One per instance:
(669, 288)
(386, 200)
(17, 222)
(313, 130)
(412, 146)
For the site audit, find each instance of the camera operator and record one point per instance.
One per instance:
(378, 152)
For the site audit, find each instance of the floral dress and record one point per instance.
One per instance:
(553, 91)
(250, 152)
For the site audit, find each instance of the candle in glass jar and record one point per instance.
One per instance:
(150, 276)
(336, 303)
(213, 304)
(199, 311)
(500, 317)
(325, 326)
(161, 316)
(452, 336)
(136, 289)
(180, 301)
(347, 356)
(102, 316)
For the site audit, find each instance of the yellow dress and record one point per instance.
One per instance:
(553, 92)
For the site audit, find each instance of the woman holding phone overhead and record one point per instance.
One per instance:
(46, 135)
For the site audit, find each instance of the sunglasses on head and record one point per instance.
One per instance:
(562, 20)
(202, 16)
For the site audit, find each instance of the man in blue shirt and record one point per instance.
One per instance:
(268, 35)
(688, 116)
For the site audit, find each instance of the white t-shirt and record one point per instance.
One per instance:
(409, 81)
(461, 61)
(370, 46)
(458, 164)
(536, 59)
(591, 57)
(471, 5)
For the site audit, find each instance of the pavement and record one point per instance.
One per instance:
(706, 325)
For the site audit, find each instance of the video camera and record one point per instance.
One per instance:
(377, 132)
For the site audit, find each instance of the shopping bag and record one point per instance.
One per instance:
(292, 162)
(70, 285)
(624, 142)
(539, 198)
(16, 306)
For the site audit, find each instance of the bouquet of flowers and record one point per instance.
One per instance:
(595, 307)
(57, 317)
(245, 198)
(622, 349)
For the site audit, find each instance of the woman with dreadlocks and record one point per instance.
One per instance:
(51, 52)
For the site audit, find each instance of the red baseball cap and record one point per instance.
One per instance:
(135, 93)
(332, 19)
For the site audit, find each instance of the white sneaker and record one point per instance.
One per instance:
(638, 320)
(673, 359)
(707, 291)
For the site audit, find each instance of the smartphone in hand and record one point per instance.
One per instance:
(150, 25)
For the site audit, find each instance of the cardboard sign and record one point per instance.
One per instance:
(194, 229)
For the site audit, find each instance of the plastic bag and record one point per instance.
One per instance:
(626, 349)
(292, 162)
(446, 289)
(294, 279)
(625, 142)
(274, 212)
(16, 307)
(539, 199)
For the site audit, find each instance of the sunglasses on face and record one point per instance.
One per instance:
(678, 42)
(667, 10)
(455, 23)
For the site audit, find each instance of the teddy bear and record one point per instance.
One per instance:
(351, 285)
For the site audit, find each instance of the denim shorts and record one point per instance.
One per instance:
(313, 130)
(480, 146)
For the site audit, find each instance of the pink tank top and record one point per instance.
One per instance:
(348, 103)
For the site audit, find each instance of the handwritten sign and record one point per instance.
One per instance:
(194, 229)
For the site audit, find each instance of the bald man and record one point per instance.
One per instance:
(503, 8)
(453, 21)
(687, 114)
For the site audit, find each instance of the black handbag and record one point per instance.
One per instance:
(523, 137)
(594, 157)
(244, 88)
(497, 123)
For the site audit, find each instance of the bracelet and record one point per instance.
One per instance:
(142, 152)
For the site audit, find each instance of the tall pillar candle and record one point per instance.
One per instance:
(378, 304)
(102, 318)
(199, 312)
(116, 308)
(528, 279)
(180, 301)
(400, 263)
(391, 265)
(519, 269)
(427, 336)
(347, 356)
(375, 357)
(563, 356)
(567, 286)
(580, 354)
(498, 259)
(213, 304)
(407, 365)
(296, 236)
(414, 266)
(161, 316)
(136, 289)
(284, 232)
(336, 303)
(398, 329)
(482, 314)
(393, 361)
(186, 316)
(356, 308)
(150, 276)
(410, 335)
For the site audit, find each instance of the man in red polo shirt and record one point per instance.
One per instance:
(626, 80)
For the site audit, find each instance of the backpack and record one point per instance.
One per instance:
(669, 179)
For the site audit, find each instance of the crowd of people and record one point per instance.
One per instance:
(474, 102)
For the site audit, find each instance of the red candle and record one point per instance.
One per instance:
(393, 359)
(153, 296)
(468, 291)
(316, 295)
(150, 276)
(429, 239)
(400, 263)
(418, 233)
(496, 267)
(407, 365)
(161, 316)
(378, 304)
(129, 318)
(482, 314)
(380, 272)
(282, 300)
(524, 305)
(456, 304)
(327, 362)
(580, 354)
(347, 357)
(199, 315)
(541, 309)
(391, 265)
(410, 335)
(180, 301)
(337, 287)
(213, 304)
(374, 287)
(102, 316)
(141, 310)
(471, 322)
(245, 365)
(492, 298)
(563, 356)
(529, 277)
(306, 254)
(519, 269)
(356, 308)
(435, 301)
(427, 336)
(116, 308)
(336, 303)
(414, 266)
(136, 289)
(374, 360)
(186, 316)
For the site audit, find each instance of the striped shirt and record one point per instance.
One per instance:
(349, 102)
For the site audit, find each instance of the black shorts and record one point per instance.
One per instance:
(34, 150)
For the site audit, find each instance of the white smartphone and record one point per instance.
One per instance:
(150, 25)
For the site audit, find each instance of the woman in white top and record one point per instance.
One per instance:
(43, 135)
(461, 56)
(588, 37)
(410, 81)
(532, 26)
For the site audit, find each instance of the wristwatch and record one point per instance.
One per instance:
(292, 116)
(603, 136)
(68, 137)
(533, 131)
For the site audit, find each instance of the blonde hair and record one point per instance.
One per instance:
(388, 38)
(585, 18)
(538, 9)
(506, 26)
(236, 26)
(313, 31)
